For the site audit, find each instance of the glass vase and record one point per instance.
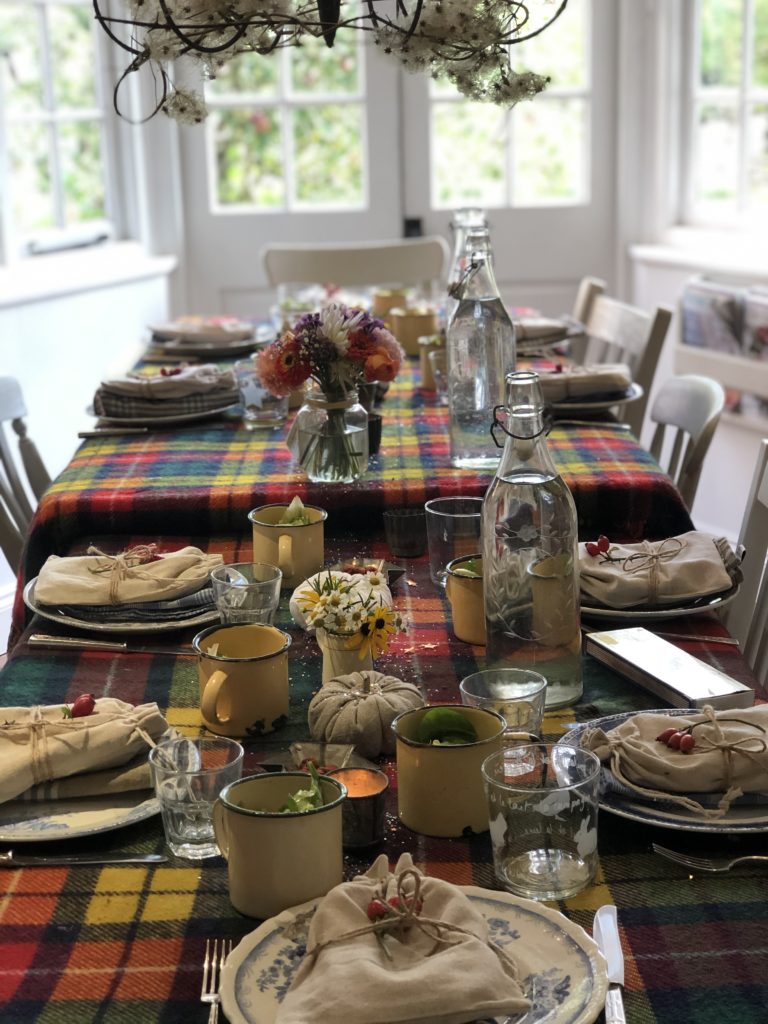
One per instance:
(330, 437)
(338, 658)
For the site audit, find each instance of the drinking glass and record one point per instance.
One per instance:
(247, 591)
(261, 409)
(516, 694)
(453, 530)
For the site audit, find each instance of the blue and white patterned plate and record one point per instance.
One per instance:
(561, 969)
(36, 821)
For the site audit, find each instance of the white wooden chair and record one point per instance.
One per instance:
(747, 615)
(405, 262)
(690, 406)
(22, 477)
(619, 332)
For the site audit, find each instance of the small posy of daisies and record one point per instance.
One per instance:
(339, 348)
(357, 607)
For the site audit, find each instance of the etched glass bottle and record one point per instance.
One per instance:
(463, 221)
(480, 352)
(530, 554)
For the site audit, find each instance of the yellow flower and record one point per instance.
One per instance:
(374, 633)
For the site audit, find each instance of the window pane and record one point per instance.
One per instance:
(720, 46)
(250, 72)
(468, 155)
(560, 51)
(328, 155)
(249, 158)
(82, 171)
(73, 53)
(718, 149)
(549, 152)
(760, 56)
(20, 40)
(31, 177)
(316, 68)
(758, 155)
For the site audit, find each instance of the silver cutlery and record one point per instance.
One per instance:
(11, 859)
(76, 643)
(605, 932)
(112, 431)
(602, 425)
(212, 965)
(713, 864)
(700, 636)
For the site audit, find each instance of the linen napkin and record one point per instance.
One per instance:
(134, 576)
(730, 756)
(178, 610)
(134, 775)
(573, 382)
(443, 969)
(666, 572)
(205, 330)
(38, 744)
(542, 329)
(187, 390)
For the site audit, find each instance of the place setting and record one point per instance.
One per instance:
(571, 389)
(207, 337)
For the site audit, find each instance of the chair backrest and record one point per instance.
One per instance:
(618, 332)
(747, 615)
(410, 261)
(690, 407)
(22, 478)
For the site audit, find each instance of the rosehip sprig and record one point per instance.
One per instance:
(81, 708)
(678, 739)
(602, 546)
(397, 910)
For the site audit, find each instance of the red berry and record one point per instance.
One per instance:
(687, 743)
(377, 909)
(674, 740)
(603, 544)
(82, 707)
(592, 548)
(663, 737)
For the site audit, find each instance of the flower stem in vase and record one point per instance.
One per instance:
(332, 438)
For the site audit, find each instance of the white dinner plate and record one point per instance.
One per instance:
(42, 820)
(199, 618)
(560, 966)
(586, 404)
(697, 606)
(161, 421)
(739, 819)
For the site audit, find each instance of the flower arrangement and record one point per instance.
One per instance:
(355, 607)
(338, 348)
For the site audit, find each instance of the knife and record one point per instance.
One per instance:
(11, 859)
(605, 932)
(76, 643)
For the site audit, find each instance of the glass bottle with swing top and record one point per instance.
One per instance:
(530, 552)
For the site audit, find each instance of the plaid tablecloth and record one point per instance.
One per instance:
(206, 478)
(125, 944)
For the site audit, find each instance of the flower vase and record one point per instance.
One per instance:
(338, 658)
(329, 438)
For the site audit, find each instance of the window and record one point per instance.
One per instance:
(52, 133)
(728, 124)
(288, 132)
(533, 155)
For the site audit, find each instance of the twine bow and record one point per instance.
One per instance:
(405, 914)
(649, 559)
(124, 565)
(35, 735)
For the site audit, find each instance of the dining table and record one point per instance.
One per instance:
(120, 943)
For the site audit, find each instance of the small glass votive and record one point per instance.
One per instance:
(363, 813)
(517, 694)
(406, 531)
(438, 364)
(261, 409)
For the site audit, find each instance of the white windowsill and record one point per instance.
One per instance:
(736, 253)
(68, 273)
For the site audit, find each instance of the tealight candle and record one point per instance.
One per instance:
(363, 810)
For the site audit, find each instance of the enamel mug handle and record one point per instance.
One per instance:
(210, 699)
(285, 554)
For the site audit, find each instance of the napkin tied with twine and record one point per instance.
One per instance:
(573, 382)
(38, 744)
(665, 572)
(441, 967)
(730, 756)
(136, 575)
(188, 390)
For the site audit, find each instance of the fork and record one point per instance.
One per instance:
(715, 864)
(212, 965)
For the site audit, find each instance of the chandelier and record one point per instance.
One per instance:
(464, 41)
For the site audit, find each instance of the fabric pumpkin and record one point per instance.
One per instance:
(359, 708)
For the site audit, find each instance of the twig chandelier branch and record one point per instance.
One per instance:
(465, 41)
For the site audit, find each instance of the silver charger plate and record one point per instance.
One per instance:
(587, 404)
(560, 966)
(747, 818)
(162, 421)
(43, 820)
(696, 606)
(91, 626)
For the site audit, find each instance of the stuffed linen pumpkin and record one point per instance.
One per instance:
(359, 708)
